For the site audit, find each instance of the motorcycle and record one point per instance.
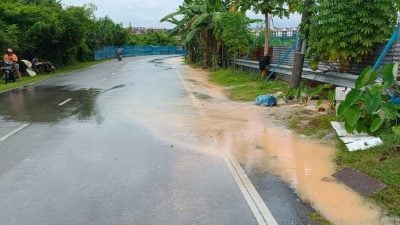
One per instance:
(8, 72)
(119, 57)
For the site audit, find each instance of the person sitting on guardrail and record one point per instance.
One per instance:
(10, 56)
(263, 64)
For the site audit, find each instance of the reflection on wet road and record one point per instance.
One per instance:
(42, 104)
(143, 141)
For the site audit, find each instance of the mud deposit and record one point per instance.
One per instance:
(215, 125)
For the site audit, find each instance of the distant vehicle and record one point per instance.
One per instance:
(8, 72)
(119, 53)
(42, 67)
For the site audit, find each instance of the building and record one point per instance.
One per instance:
(284, 32)
(145, 30)
(277, 32)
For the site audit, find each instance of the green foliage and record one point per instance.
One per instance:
(344, 31)
(318, 218)
(153, 38)
(45, 29)
(367, 107)
(382, 163)
(332, 99)
(231, 31)
(275, 7)
(214, 31)
(305, 93)
(245, 86)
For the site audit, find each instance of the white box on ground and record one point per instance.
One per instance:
(355, 141)
(341, 93)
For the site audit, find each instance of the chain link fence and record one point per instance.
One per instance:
(138, 50)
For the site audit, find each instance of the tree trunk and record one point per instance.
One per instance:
(266, 46)
(297, 70)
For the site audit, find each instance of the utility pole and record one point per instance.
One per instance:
(301, 48)
(266, 14)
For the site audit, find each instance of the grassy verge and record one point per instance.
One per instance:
(382, 163)
(244, 86)
(28, 80)
(317, 217)
(310, 123)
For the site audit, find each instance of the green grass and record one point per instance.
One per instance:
(196, 65)
(246, 86)
(29, 80)
(316, 217)
(311, 125)
(383, 163)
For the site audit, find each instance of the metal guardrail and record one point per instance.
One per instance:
(284, 72)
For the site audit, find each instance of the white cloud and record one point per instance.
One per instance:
(149, 12)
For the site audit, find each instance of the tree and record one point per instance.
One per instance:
(344, 31)
(152, 38)
(45, 29)
(280, 8)
(207, 26)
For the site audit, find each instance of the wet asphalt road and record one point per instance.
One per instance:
(84, 159)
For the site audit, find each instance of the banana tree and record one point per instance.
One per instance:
(203, 26)
(195, 25)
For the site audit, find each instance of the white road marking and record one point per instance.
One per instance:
(255, 202)
(114, 73)
(104, 79)
(13, 132)
(65, 102)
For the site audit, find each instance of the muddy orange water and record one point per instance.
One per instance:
(209, 122)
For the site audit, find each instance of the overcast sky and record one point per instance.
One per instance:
(147, 13)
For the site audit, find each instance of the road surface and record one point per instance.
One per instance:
(74, 150)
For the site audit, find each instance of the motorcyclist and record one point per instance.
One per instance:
(11, 57)
(119, 52)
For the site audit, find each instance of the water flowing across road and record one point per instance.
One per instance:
(146, 141)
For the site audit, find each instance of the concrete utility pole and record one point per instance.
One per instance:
(266, 33)
(301, 49)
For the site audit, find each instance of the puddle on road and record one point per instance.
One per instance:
(243, 130)
(39, 104)
(119, 87)
(160, 63)
(201, 95)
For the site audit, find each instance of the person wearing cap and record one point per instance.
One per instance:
(11, 57)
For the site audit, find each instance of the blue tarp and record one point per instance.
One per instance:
(138, 50)
(266, 100)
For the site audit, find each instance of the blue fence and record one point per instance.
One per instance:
(138, 50)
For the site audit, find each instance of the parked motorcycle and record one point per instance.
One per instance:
(8, 72)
